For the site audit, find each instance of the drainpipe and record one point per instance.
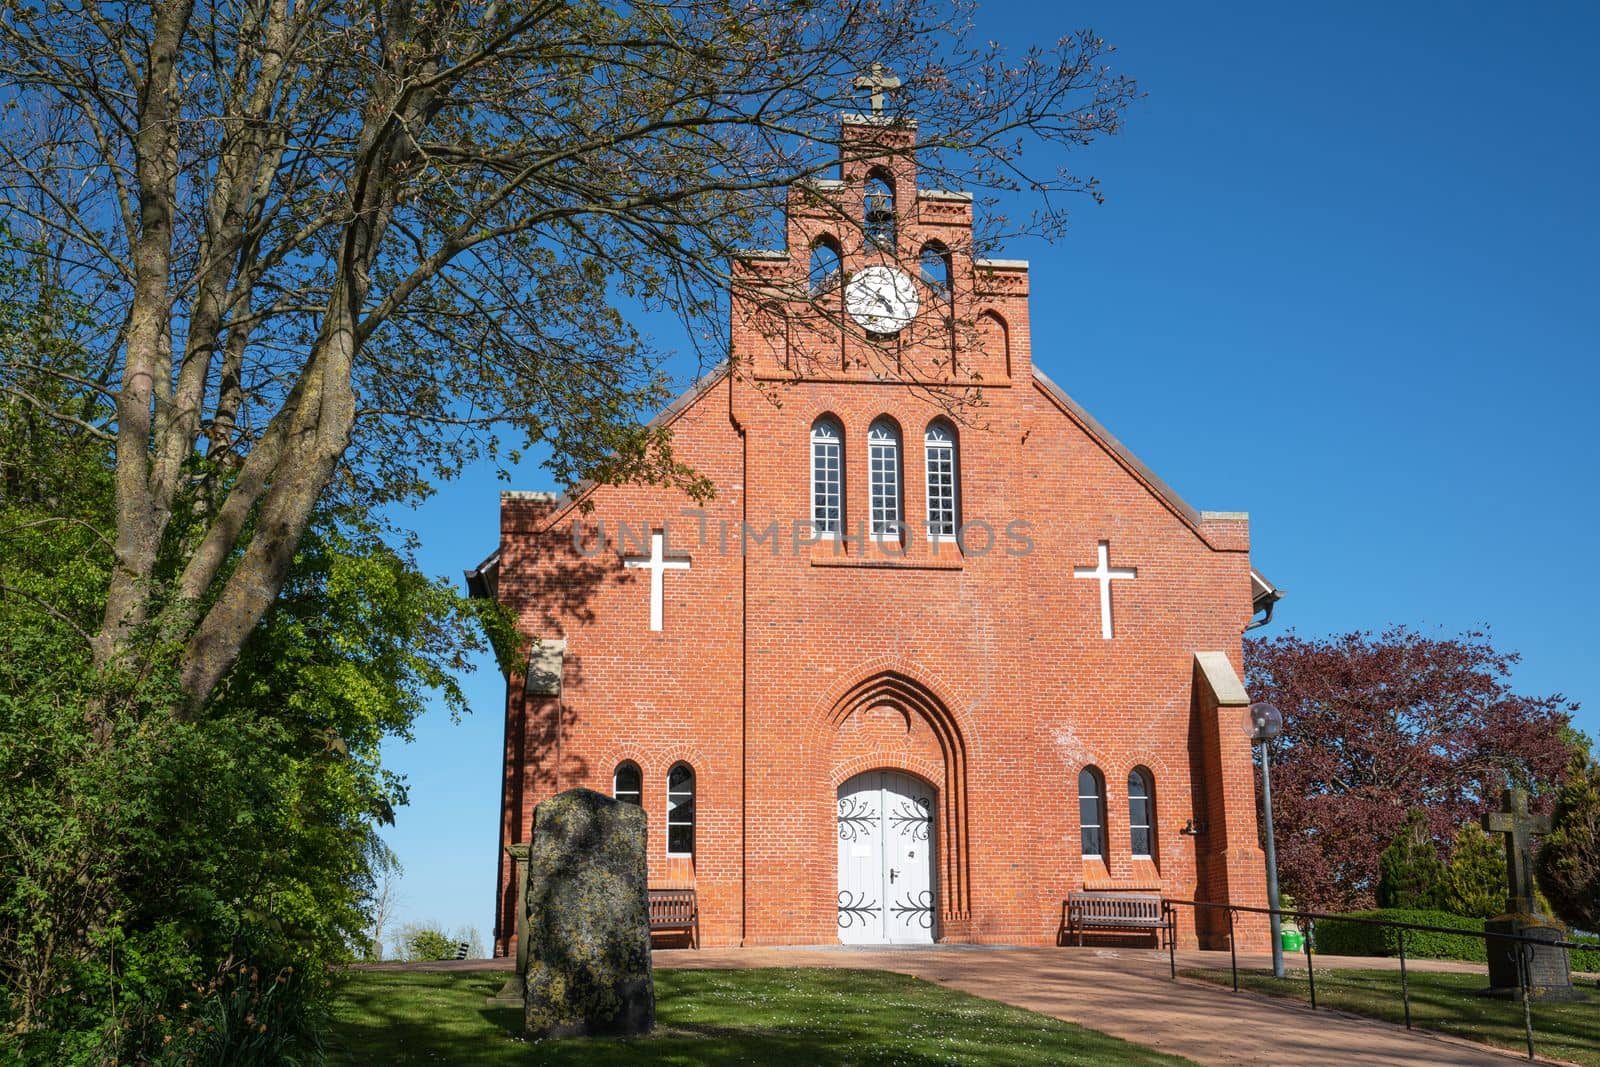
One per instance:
(1264, 603)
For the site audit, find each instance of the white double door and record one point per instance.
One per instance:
(886, 838)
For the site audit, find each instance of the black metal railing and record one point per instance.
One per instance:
(1307, 920)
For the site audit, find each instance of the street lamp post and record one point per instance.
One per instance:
(1263, 722)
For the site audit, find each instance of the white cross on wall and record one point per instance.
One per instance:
(1106, 574)
(655, 563)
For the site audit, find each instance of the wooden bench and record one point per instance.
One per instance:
(675, 910)
(1122, 912)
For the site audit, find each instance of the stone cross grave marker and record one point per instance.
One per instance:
(1518, 825)
(1524, 957)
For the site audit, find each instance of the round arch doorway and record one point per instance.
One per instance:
(886, 843)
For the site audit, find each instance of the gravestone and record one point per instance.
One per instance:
(587, 919)
(1543, 968)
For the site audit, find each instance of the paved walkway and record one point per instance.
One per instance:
(1128, 993)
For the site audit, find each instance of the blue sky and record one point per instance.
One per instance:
(1345, 278)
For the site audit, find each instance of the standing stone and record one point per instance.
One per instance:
(588, 919)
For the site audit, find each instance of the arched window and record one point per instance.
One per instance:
(943, 514)
(1092, 812)
(680, 810)
(878, 211)
(825, 273)
(935, 264)
(883, 457)
(627, 784)
(1141, 813)
(827, 465)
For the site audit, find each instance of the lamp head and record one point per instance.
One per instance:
(1263, 722)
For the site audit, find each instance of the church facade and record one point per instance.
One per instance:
(931, 658)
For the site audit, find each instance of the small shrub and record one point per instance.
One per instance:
(1475, 882)
(1410, 873)
(420, 942)
(249, 1018)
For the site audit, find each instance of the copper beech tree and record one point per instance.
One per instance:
(1377, 726)
(340, 249)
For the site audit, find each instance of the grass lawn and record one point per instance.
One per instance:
(1444, 1002)
(782, 1017)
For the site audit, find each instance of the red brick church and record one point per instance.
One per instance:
(921, 667)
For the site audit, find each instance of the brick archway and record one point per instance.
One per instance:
(934, 748)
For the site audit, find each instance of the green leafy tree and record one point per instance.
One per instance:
(178, 886)
(1410, 872)
(1568, 862)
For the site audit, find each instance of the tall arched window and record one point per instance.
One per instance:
(883, 457)
(627, 784)
(1141, 813)
(1092, 812)
(934, 262)
(878, 211)
(943, 514)
(680, 810)
(827, 465)
(825, 273)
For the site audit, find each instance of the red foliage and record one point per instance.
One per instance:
(1376, 725)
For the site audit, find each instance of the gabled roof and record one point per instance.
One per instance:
(1263, 594)
(1123, 455)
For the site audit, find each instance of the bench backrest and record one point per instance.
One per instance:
(1115, 905)
(672, 906)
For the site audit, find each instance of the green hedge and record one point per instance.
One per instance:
(1358, 939)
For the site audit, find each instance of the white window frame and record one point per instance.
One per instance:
(826, 435)
(943, 497)
(616, 791)
(1100, 811)
(1147, 783)
(883, 477)
(674, 802)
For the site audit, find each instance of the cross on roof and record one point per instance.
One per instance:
(878, 81)
(1514, 820)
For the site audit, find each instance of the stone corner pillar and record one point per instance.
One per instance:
(1231, 867)
(512, 993)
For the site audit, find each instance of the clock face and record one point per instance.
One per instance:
(881, 299)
